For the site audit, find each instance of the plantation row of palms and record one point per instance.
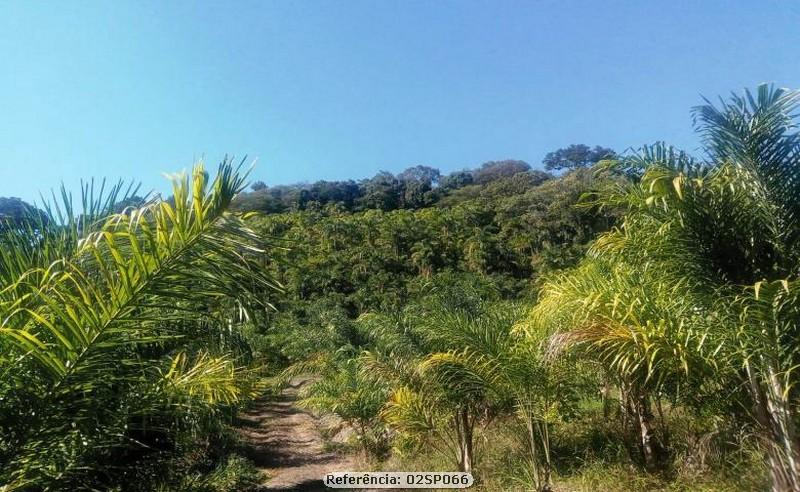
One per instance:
(690, 304)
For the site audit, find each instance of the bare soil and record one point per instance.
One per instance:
(285, 443)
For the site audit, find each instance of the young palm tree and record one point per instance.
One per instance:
(427, 403)
(342, 388)
(116, 323)
(712, 257)
(634, 322)
(455, 363)
(495, 358)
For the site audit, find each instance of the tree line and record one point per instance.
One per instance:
(414, 188)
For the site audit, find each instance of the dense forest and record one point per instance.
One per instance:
(603, 321)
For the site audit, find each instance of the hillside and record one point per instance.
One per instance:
(348, 252)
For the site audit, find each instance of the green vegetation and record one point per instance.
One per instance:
(629, 324)
(694, 297)
(633, 320)
(121, 355)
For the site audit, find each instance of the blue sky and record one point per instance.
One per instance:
(332, 90)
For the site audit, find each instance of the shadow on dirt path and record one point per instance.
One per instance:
(285, 443)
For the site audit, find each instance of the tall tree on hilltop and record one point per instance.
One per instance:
(489, 171)
(576, 156)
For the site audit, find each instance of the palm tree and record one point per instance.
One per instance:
(701, 275)
(428, 403)
(117, 323)
(455, 363)
(494, 357)
(634, 323)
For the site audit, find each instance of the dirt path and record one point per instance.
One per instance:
(284, 442)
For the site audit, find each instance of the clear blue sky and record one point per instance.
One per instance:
(331, 90)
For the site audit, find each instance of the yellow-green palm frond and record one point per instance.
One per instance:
(162, 259)
(207, 378)
(465, 373)
(408, 411)
(138, 286)
(642, 324)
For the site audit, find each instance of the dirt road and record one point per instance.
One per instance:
(284, 441)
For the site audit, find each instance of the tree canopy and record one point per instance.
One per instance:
(576, 156)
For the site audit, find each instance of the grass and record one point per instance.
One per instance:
(214, 464)
(591, 457)
(235, 473)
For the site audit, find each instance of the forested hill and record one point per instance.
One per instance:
(373, 245)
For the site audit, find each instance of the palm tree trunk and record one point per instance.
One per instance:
(625, 409)
(774, 413)
(649, 445)
(467, 454)
(464, 431)
(665, 434)
(534, 450)
(363, 438)
(547, 465)
(605, 397)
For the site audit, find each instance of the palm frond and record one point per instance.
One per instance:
(86, 326)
